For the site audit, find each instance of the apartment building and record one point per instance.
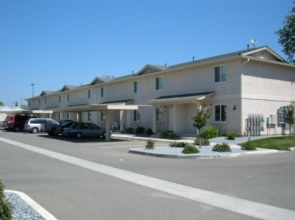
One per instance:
(245, 90)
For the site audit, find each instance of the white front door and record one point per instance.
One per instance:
(170, 119)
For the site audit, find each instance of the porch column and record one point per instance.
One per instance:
(154, 119)
(107, 114)
(79, 116)
(175, 122)
(121, 120)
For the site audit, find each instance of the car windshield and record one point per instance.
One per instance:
(75, 125)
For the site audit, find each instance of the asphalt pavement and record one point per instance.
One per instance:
(71, 191)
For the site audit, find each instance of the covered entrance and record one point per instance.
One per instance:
(174, 113)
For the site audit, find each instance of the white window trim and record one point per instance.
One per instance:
(104, 92)
(160, 77)
(158, 110)
(134, 117)
(102, 116)
(137, 86)
(89, 94)
(226, 113)
(220, 74)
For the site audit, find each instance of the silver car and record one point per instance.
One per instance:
(83, 129)
(34, 125)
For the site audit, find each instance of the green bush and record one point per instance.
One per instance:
(172, 136)
(149, 131)
(150, 144)
(190, 149)
(210, 132)
(204, 142)
(222, 148)
(231, 135)
(248, 146)
(129, 130)
(164, 134)
(139, 130)
(5, 206)
(178, 144)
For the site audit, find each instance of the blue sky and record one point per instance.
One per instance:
(52, 43)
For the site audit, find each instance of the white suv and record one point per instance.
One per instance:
(34, 125)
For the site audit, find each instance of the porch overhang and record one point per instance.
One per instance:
(24, 111)
(115, 105)
(183, 98)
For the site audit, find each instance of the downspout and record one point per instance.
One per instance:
(241, 92)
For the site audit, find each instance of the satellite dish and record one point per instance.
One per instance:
(253, 41)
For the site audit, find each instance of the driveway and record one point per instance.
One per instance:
(69, 190)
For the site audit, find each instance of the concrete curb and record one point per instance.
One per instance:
(291, 149)
(204, 156)
(39, 209)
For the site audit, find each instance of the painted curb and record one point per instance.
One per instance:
(204, 156)
(39, 209)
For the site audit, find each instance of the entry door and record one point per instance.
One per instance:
(170, 119)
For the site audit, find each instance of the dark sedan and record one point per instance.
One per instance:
(83, 129)
(60, 128)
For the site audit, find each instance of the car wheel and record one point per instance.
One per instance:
(79, 135)
(16, 129)
(104, 135)
(35, 130)
(53, 131)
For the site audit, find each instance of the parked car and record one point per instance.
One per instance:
(56, 129)
(15, 122)
(34, 125)
(65, 120)
(83, 129)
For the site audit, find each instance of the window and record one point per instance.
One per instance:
(136, 115)
(68, 97)
(29, 103)
(159, 114)
(220, 74)
(45, 101)
(59, 98)
(89, 94)
(68, 115)
(102, 92)
(39, 101)
(102, 116)
(89, 116)
(159, 83)
(220, 113)
(136, 86)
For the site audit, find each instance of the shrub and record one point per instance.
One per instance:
(164, 134)
(178, 144)
(149, 131)
(172, 136)
(139, 130)
(248, 146)
(129, 130)
(190, 149)
(204, 142)
(231, 135)
(222, 148)
(210, 132)
(150, 144)
(5, 206)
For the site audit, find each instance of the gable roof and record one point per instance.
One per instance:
(44, 92)
(150, 69)
(67, 87)
(99, 80)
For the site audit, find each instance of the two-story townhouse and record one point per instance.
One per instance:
(243, 89)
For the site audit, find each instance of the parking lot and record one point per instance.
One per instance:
(69, 191)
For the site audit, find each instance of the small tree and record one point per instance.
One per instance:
(289, 116)
(201, 118)
(5, 207)
(1, 104)
(286, 35)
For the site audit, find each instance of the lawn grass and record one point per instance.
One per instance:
(279, 143)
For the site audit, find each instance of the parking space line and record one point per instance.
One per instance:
(245, 207)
